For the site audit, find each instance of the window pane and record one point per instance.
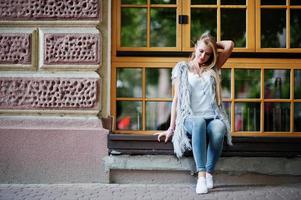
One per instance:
(157, 115)
(158, 83)
(226, 83)
(129, 82)
(163, 27)
(247, 83)
(276, 116)
(298, 84)
(273, 28)
(200, 2)
(133, 1)
(295, 2)
(227, 106)
(276, 84)
(273, 2)
(295, 28)
(233, 26)
(163, 1)
(233, 2)
(297, 117)
(199, 25)
(129, 115)
(133, 27)
(247, 116)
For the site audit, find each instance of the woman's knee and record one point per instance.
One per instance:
(217, 128)
(199, 122)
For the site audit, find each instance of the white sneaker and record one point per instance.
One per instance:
(209, 181)
(201, 187)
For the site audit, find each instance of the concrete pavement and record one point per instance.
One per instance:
(288, 191)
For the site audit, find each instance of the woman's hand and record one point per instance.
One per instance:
(167, 134)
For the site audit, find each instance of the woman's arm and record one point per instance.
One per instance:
(225, 48)
(169, 132)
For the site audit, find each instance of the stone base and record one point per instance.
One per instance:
(52, 150)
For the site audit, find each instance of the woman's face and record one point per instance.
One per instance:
(202, 53)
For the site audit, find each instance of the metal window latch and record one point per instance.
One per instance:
(183, 19)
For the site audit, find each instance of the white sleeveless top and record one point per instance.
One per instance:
(202, 94)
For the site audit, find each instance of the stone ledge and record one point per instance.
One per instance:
(231, 165)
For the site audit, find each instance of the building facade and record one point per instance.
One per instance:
(65, 65)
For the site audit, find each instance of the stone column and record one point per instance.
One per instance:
(51, 91)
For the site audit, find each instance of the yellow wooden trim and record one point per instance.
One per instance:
(232, 99)
(250, 27)
(262, 99)
(143, 98)
(113, 95)
(247, 100)
(257, 26)
(148, 26)
(277, 100)
(292, 95)
(179, 27)
(288, 27)
(274, 6)
(203, 6)
(133, 5)
(218, 22)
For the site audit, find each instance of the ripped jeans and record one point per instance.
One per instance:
(200, 131)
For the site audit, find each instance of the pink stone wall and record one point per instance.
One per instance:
(72, 48)
(15, 48)
(48, 93)
(49, 9)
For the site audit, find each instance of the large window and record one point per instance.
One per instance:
(262, 96)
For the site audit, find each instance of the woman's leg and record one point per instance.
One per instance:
(216, 130)
(196, 127)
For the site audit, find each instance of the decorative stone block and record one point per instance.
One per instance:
(48, 93)
(15, 48)
(49, 9)
(71, 48)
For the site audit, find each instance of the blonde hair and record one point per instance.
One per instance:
(210, 65)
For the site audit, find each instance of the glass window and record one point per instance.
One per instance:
(276, 116)
(273, 28)
(247, 116)
(199, 25)
(226, 83)
(297, 117)
(295, 2)
(158, 83)
(273, 2)
(129, 115)
(295, 25)
(233, 26)
(276, 84)
(163, 27)
(247, 83)
(200, 2)
(298, 84)
(133, 27)
(158, 115)
(129, 82)
(233, 2)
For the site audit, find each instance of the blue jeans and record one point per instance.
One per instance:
(200, 130)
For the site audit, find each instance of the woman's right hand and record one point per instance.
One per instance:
(167, 134)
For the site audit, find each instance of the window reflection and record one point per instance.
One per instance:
(163, 27)
(247, 83)
(158, 115)
(133, 27)
(273, 2)
(276, 84)
(297, 117)
(298, 84)
(227, 106)
(276, 117)
(128, 115)
(273, 28)
(226, 83)
(158, 83)
(233, 2)
(233, 26)
(199, 25)
(163, 1)
(247, 116)
(295, 28)
(128, 82)
(133, 1)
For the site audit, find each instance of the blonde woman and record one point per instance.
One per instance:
(197, 113)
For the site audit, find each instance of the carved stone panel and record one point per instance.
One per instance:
(48, 93)
(49, 9)
(71, 48)
(15, 48)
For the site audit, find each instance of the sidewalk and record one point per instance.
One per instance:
(290, 191)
